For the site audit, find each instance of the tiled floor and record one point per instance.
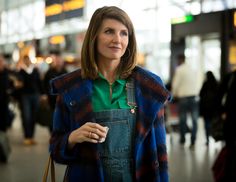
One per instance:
(187, 165)
(26, 164)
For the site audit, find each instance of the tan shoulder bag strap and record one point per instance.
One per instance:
(50, 166)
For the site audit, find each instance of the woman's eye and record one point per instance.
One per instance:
(124, 33)
(108, 31)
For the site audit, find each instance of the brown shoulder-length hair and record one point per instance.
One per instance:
(89, 65)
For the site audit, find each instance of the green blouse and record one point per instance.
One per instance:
(101, 94)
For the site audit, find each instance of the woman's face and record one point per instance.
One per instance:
(27, 61)
(112, 40)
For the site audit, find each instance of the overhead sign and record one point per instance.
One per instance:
(183, 19)
(57, 39)
(56, 10)
(232, 53)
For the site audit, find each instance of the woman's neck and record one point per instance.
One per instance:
(109, 70)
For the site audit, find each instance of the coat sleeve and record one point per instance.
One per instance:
(59, 138)
(160, 134)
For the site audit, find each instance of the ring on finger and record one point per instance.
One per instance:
(90, 134)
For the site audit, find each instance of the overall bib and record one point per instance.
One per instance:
(116, 153)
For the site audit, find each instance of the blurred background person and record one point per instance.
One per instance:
(208, 102)
(4, 110)
(57, 67)
(29, 98)
(185, 90)
(4, 95)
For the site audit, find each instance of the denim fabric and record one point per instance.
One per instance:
(116, 153)
(188, 105)
(29, 106)
(207, 126)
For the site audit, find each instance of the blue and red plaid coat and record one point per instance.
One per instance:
(74, 108)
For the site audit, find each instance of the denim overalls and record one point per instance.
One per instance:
(116, 153)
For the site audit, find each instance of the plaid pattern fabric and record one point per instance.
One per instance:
(74, 108)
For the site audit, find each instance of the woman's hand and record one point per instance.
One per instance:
(89, 132)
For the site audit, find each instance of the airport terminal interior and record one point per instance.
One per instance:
(203, 30)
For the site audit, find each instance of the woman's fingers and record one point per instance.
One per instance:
(92, 137)
(89, 132)
(97, 126)
(98, 130)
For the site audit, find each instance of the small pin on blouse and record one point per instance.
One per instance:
(72, 103)
(132, 111)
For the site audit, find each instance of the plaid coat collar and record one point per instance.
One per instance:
(144, 80)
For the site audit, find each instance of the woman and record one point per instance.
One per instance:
(108, 121)
(30, 92)
(208, 102)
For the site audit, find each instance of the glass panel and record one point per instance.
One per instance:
(204, 54)
(212, 56)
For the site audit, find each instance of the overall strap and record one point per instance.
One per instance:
(131, 95)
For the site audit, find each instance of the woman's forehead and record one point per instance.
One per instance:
(113, 23)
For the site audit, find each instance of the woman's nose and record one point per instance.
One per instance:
(116, 38)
